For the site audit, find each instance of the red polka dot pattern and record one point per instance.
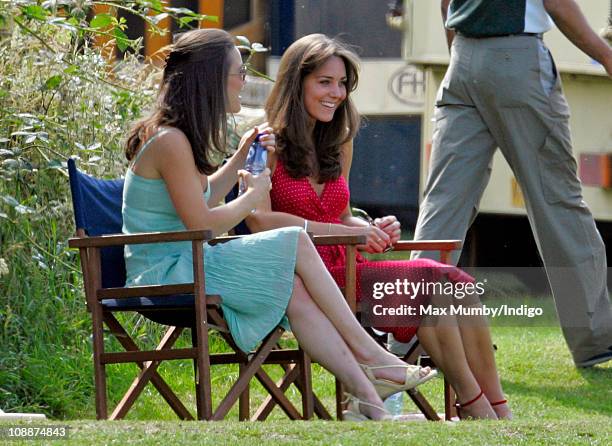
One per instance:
(298, 197)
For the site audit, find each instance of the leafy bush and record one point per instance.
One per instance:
(59, 97)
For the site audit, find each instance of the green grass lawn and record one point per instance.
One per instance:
(553, 402)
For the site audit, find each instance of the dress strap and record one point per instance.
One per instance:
(147, 144)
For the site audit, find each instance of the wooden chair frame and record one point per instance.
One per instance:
(207, 316)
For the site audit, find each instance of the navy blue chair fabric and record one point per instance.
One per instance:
(97, 210)
(241, 228)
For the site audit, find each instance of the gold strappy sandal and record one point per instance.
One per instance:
(386, 388)
(353, 411)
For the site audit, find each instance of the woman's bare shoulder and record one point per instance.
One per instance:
(172, 136)
(172, 148)
(346, 151)
(346, 157)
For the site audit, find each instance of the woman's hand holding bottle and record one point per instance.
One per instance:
(266, 138)
(258, 185)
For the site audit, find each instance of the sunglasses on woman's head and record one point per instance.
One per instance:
(242, 72)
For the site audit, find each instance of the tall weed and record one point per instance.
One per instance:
(49, 112)
(60, 98)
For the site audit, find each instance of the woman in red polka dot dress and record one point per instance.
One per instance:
(312, 115)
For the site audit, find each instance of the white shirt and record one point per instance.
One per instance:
(537, 19)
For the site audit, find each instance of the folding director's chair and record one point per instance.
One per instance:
(97, 208)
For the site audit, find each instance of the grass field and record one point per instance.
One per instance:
(553, 402)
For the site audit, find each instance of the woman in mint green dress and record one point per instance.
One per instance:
(263, 279)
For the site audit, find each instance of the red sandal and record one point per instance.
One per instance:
(460, 406)
(503, 414)
(498, 403)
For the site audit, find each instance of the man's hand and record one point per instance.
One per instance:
(571, 21)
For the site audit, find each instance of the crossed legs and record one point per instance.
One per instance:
(320, 339)
(329, 332)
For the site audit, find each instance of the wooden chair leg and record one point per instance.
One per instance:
(419, 399)
(249, 371)
(303, 382)
(244, 400)
(99, 368)
(278, 395)
(320, 410)
(159, 383)
(290, 377)
(305, 378)
(449, 393)
(339, 399)
(203, 389)
(97, 319)
(144, 376)
(198, 400)
(421, 402)
(200, 386)
(449, 401)
(318, 407)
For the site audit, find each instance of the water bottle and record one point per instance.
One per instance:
(256, 161)
(395, 404)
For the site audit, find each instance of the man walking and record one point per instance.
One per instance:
(502, 90)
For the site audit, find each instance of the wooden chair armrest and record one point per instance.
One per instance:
(427, 245)
(402, 245)
(137, 239)
(322, 240)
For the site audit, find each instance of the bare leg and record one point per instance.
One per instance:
(444, 345)
(327, 296)
(477, 349)
(480, 356)
(318, 337)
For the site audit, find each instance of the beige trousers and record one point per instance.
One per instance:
(504, 92)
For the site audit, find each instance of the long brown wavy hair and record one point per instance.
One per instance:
(192, 96)
(288, 116)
